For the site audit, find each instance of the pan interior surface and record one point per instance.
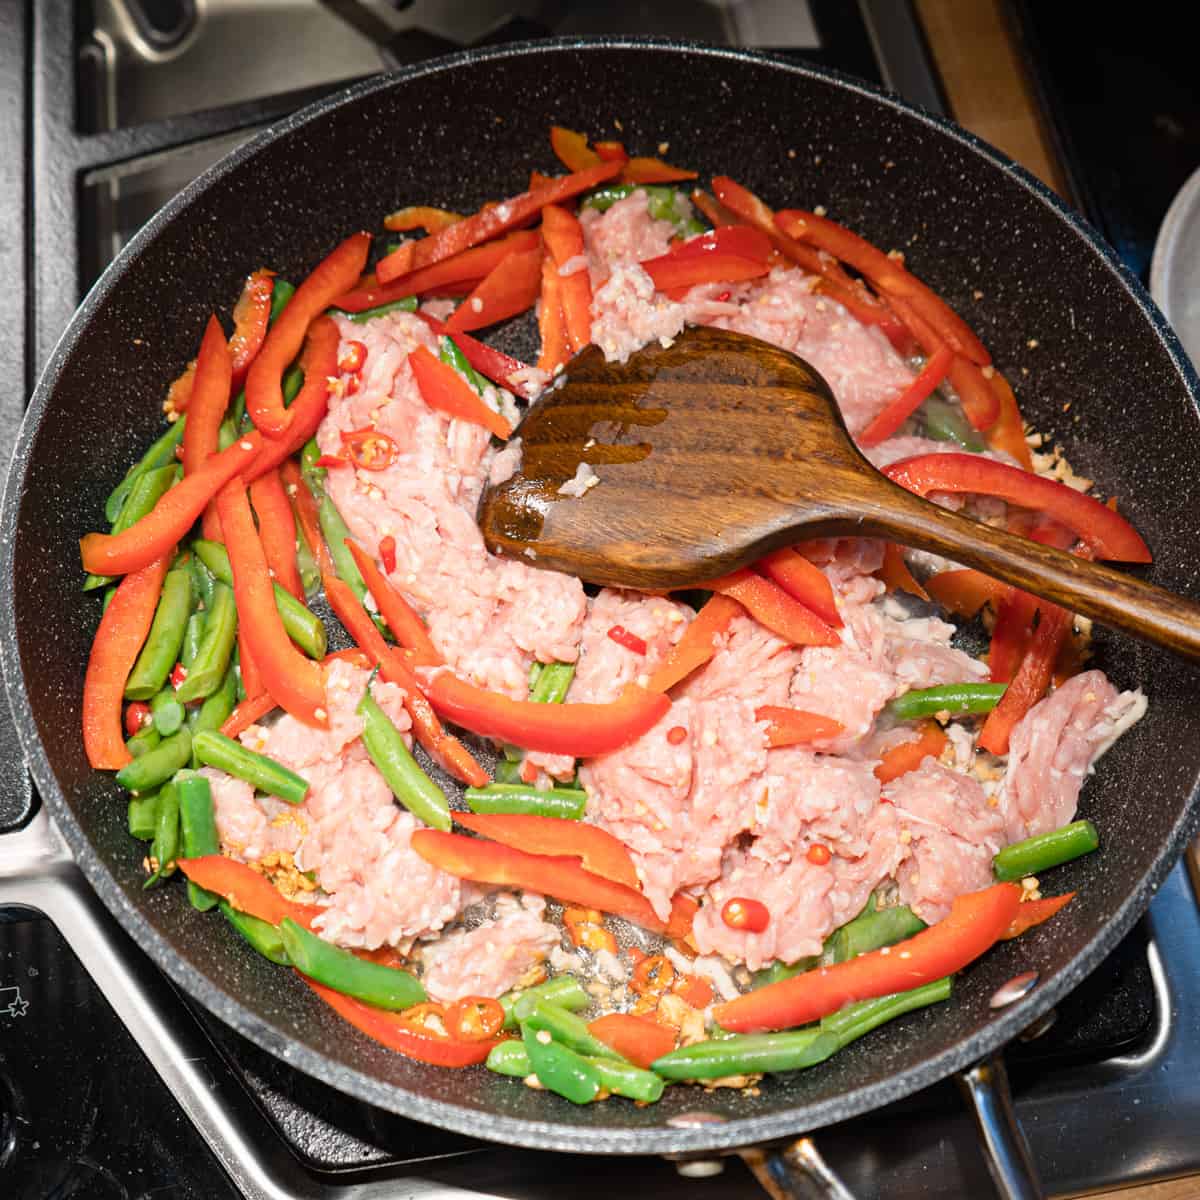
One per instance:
(1064, 321)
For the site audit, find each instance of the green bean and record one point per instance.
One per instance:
(265, 938)
(624, 1079)
(227, 434)
(292, 382)
(404, 304)
(143, 495)
(156, 766)
(450, 353)
(165, 847)
(143, 741)
(563, 991)
(370, 982)
(558, 1069)
(509, 1058)
(310, 454)
(402, 773)
(214, 712)
(508, 770)
(954, 698)
(167, 712)
(778, 971)
(212, 659)
(203, 580)
(747, 1054)
(216, 750)
(161, 650)
(199, 831)
(160, 454)
(301, 624)
(661, 201)
(281, 294)
(193, 636)
(568, 803)
(1045, 850)
(143, 816)
(335, 532)
(552, 683)
(872, 929)
(310, 575)
(534, 1012)
(855, 1020)
(945, 422)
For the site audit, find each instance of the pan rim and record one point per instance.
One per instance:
(545, 1134)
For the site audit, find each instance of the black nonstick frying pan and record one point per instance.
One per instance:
(1094, 365)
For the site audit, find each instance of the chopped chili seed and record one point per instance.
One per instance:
(178, 675)
(818, 855)
(474, 1018)
(653, 974)
(743, 913)
(676, 734)
(370, 449)
(387, 553)
(418, 1017)
(352, 358)
(137, 716)
(630, 641)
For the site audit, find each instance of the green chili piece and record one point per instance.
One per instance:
(265, 938)
(193, 635)
(144, 493)
(748, 1054)
(567, 803)
(372, 983)
(404, 304)
(558, 1069)
(302, 625)
(954, 698)
(534, 1012)
(200, 836)
(1045, 850)
(215, 710)
(872, 929)
(449, 353)
(946, 422)
(509, 1058)
(563, 991)
(624, 1079)
(143, 816)
(167, 712)
(216, 750)
(165, 848)
(143, 741)
(402, 773)
(851, 1022)
(156, 766)
(216, 649)
(161, 649)
(160, 454)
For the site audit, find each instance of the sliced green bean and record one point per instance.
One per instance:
(281, 293)
(533, 1012)
(156, 766)
(747, 1054)
(200, 836)
(301, 624)
(509, 1058)
(216, 750)
(165, 848)
(143, 816)
(265, 938)
(167, 712)
(214, 712)
(552, 683)
(212, 659)
(161, 650)
(567, 803)
(872, 929)
(404, 304)
(370, 982)
(143, 741)
(661, 201)
(402, 773)
(144, 494)
(336, 531)
(1045, 850)
(624, 1079)
(291, 383)
(450, 353)
(954, 698)
(202, 579)
(193, 636)
(558, 1069)
(563, 991)
(855, 1020)
(310, 575)
(160, 454)
(946, 422)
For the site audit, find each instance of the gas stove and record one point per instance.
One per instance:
(114, 1084)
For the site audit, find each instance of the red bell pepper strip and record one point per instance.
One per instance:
(497, 367)
(307, 517)
(296, 682)
(277, 528)
(975, 922)
(1104, 531)
(581, 730)
(563, 236)
(490, 222)
(335, 274)
(251, 318)
(897, 411)
(773, 608)
(1011, 634)
(636, 1038)
(510, 288)
(169, 520)
(888, 275)
(1031, 913)
(716, 213)
(895, 573)
(653, 170)
(560, 877)
(601, 853)
(795, 727)
(443, 388)
(571, 149)
(249, 712)
(252, 680)
(209, 399)
(408, 1038)
(697, 645)
(1008, 431)
(726, 255)
(908, 756)
(552, 322)
(245, 889)
(963, 591)
(420, 216)
(408, 628)
(115, 648)
(611, 151)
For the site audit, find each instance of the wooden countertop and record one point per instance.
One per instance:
(989, 93)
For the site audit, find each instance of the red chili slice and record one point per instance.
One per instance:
(742, 913)
(370, 449)
(630, 641)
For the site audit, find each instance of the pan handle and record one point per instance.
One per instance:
(795, 1172)
(985, 1087)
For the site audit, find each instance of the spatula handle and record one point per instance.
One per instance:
(1091, 589)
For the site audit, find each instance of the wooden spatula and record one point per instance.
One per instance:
(718, 448)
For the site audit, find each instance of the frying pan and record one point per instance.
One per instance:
(1092, 359)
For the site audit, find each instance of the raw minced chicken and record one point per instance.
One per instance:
(703, 802)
